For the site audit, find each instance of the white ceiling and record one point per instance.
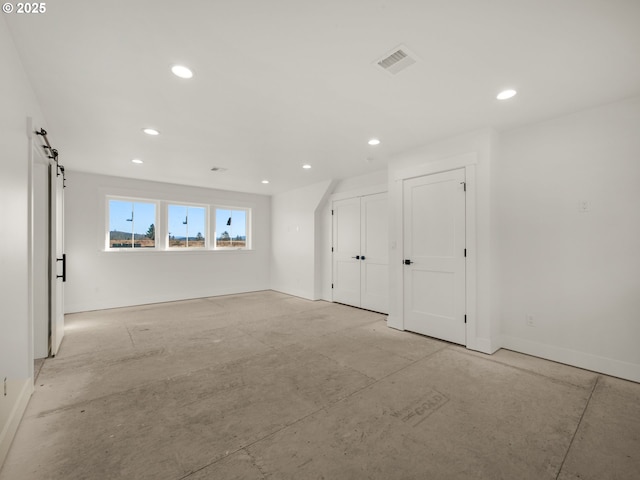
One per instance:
(281, 83)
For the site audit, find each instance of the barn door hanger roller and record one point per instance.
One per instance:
(52, 153)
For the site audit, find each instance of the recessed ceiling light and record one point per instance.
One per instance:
(306, 166)
(506, 94)
(151, 131)
(265, 181)
(181, 71)
(374, 141)
(137, 160)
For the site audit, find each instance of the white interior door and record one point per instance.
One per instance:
(346, 251)
(374, 253)
(360, 252)
(434, 252)
(57, 258)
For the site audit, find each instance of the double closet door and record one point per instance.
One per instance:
(361, 252)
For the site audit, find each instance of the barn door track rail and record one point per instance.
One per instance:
(52, 153)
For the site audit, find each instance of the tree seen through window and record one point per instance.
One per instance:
(131, 224)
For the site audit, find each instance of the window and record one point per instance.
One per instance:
(160, 225)
(132, 224)
(231, 228)
(187, 226)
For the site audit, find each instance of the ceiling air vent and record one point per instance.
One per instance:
(396, 60)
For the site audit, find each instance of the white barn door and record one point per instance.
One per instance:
(434, 256)
(58, 261)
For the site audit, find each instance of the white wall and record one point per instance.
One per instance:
(101, 279)
(483, 328)
(577, 273)
(16, 357)
(354, 185)
(296, 239)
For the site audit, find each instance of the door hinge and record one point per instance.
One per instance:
(331, 212)
(464, 186)
(465, 252)
(465, 318)
(332, 285)
(332, 249)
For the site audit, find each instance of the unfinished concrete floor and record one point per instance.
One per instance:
(268, 386)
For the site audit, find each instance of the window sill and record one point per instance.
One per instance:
(158, 251)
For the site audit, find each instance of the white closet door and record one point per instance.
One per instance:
(374, 253)
(360, 252)
(346, 251)
(434, 252)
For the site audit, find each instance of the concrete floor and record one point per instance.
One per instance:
(268, 386)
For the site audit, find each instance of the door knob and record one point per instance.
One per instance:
(362, 257)
(407, 262)
(357, 257)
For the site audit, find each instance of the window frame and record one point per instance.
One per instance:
(161, 224)
(248, 237)
(207, 233)
(119, 198)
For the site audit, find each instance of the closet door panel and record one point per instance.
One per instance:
(374, 270)
(346, 247)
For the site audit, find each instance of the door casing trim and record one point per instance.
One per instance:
(468, 162)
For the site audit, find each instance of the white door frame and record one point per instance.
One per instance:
(39, 249)
(468, 162)
(358, 192)
(31, 246)
(54, 267)
(437, 263)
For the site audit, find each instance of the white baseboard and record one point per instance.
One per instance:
(483, 345)
(13, 411)
(294, 292)
(394, 321)
(608, 366)
(121, 302)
